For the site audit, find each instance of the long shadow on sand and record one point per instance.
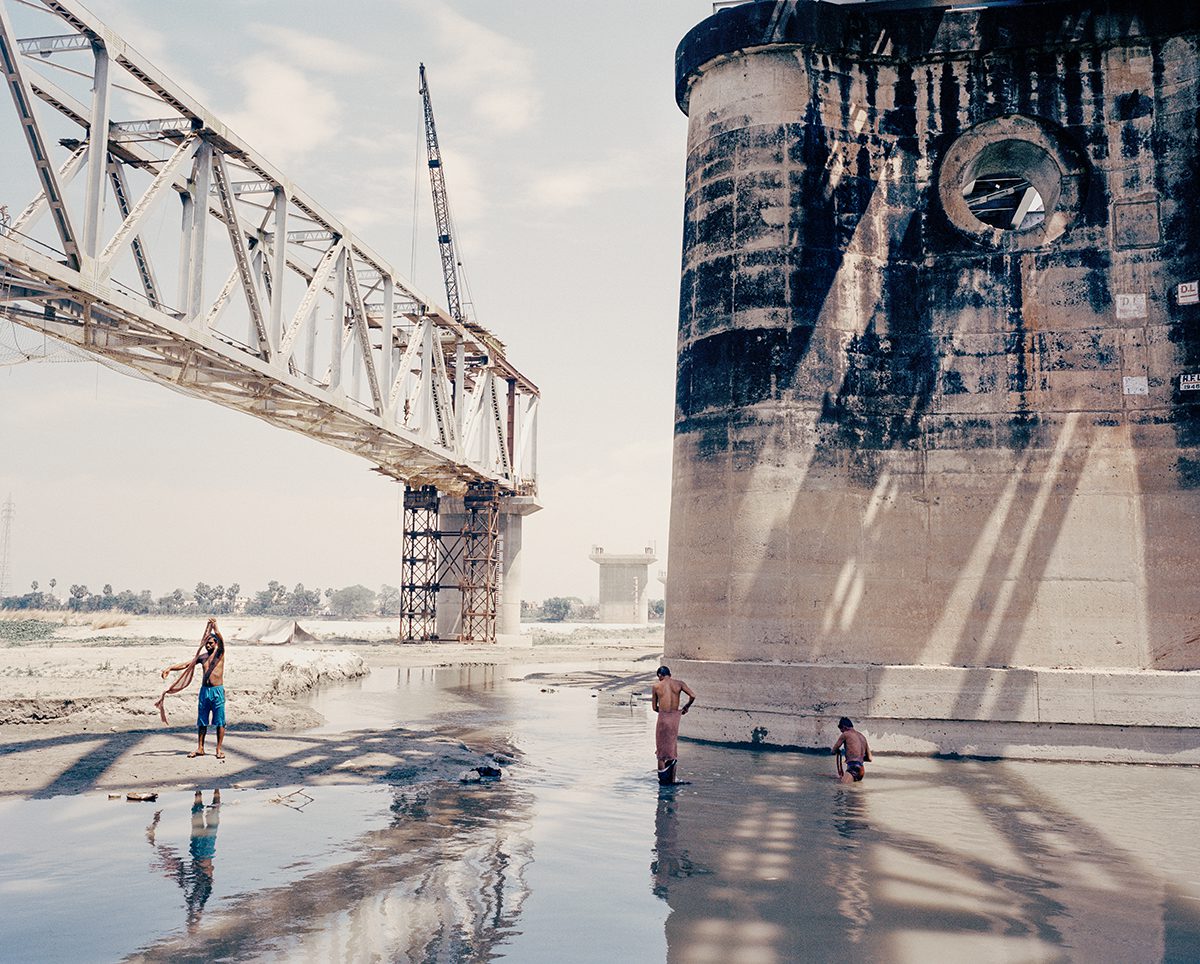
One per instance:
(82, 762)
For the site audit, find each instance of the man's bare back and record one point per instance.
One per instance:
(664, 697)
(858, 752)
(856, 746)
(665, 694)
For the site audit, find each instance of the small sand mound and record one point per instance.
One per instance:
(312, 667)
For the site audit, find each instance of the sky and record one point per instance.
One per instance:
(564, 158)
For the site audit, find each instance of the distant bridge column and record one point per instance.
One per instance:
(418, 585)
(623, 581)
(512, 521)
(454, 521)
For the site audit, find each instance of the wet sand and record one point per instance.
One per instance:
(77, 713)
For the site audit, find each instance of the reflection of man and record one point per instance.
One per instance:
(196, 880)
(672, 861)
(665, 700)
(666, 863)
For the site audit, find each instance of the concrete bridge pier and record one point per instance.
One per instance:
(624, 584)
(937, 429)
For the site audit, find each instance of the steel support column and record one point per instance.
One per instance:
(419, 584)
(480, 577)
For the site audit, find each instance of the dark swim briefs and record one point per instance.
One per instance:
(212, 706)
(855, 769)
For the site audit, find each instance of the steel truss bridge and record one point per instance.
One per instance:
(157, 239)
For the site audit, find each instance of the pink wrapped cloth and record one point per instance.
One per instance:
(666, 734)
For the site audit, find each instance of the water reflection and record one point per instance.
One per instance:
(847, 873)
(195, 878)
(763, 857)
(671, 858)
(443, 881)
(935, 860)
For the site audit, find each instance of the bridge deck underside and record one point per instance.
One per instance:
(171, 352)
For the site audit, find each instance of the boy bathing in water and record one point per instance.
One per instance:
(211, 711)
(857, 752)
(665, 700)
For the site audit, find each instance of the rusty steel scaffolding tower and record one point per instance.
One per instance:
(465, 559)
(480, 570)
(419, 585)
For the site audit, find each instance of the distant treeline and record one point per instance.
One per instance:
(559, 609)
(275, 600)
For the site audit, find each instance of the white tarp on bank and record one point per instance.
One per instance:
(276, 632)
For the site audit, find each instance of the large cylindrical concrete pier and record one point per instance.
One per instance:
(937, 448)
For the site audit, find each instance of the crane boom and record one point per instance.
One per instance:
(441, 206)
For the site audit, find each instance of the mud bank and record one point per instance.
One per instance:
(77, 714)
(118, 686)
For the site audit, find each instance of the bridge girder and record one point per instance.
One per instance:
(282, 312)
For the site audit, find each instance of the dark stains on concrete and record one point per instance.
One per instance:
(774, 213)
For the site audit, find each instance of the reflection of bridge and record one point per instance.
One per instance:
(249, 294)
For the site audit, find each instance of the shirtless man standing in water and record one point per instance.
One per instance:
(665, 700)
(857, 751)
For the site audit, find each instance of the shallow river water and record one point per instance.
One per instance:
(578, 855)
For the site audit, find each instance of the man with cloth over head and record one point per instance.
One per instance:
(211, 711)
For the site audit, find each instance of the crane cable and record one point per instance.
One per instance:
(418, 142)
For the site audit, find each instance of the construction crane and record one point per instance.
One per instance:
(441, 207)
(451, 265)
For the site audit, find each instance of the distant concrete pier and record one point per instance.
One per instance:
(937, 439)
(453, 517)
(623, 583)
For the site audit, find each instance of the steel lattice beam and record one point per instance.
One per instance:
(265, 309)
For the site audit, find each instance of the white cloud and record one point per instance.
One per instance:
(494, 71)
(283, 114)
(358, 218)
(581, 184)
(465, 183)
(289, 106)
(651, 166)
(313, 52)
(164, 52)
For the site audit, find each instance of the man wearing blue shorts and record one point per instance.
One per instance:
(212, 689)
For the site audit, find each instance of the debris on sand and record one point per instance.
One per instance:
(139, 796)
(483, 774)
(297, 800)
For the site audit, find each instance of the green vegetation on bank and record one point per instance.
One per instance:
(14, 632)
(275, 600)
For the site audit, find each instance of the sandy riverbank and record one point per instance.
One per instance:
(77, 713)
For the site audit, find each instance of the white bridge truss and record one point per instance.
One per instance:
(157, 238)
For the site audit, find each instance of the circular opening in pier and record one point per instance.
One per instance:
(1010, 183)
